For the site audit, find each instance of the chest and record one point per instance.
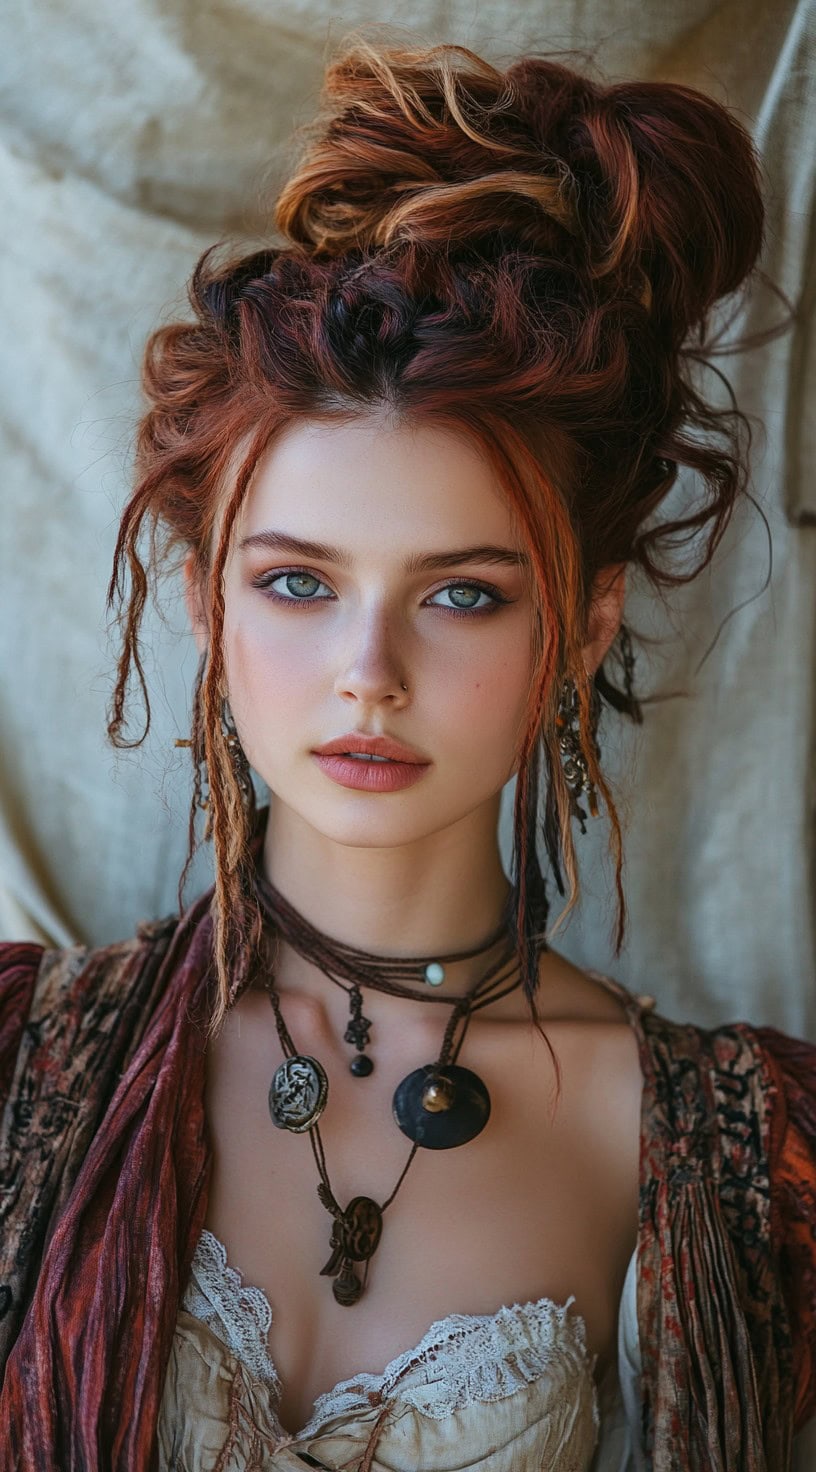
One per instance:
(542, 1203)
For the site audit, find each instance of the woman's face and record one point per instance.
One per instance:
(320, 641)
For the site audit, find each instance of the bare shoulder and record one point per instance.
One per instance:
(594, 1116)
(566, 993)
(598, 1055)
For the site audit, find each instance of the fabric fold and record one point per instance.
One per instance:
(792, 1085)
(715, 1337)
(97, 1334)
(718, 1391)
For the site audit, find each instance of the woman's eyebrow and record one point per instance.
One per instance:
(418, 562)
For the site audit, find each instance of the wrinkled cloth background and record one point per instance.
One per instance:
(133, 136)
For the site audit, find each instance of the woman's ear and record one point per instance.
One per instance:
(196, 605)
(605, 614)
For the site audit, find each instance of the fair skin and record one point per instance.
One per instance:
(543, 1203)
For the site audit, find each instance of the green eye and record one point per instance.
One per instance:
(466, 596)
(301, 586)
(298, 584)
(465, 591)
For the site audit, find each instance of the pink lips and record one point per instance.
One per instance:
(402, 768)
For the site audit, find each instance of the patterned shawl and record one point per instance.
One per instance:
(104, 1172)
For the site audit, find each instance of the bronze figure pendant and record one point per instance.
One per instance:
(355, 1237)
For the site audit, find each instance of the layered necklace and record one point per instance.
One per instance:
(437, 1106)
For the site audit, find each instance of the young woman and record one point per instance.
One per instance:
(347, 1167)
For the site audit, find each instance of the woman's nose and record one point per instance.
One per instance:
(372, 669)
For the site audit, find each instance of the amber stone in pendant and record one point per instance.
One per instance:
(441, 1107)
(437, 1095)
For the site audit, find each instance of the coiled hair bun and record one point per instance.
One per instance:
(521, 254)
(650, 187)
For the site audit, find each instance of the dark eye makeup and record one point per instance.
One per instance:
(264, 581)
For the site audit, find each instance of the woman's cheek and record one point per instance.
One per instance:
(493, 686)
(263, 648)
(268, 677)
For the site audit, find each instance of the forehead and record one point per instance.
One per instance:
(377, 483)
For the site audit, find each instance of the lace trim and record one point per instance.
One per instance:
(477, 1358)
(462, 1359)
(239, 1315)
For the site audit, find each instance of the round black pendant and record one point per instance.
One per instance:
(297, 1093)
(361, 1066)
(441, 1107)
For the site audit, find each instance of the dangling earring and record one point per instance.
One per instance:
(575, 764)
(238, 757)
(623, 700)
(195, 744)
(240, 765)
(628, 659)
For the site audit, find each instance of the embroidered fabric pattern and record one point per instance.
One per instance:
(85, 1034)
(463, 1359)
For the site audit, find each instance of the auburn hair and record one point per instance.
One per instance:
(524, 254)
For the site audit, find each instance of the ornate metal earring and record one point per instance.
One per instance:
(240, 765)
(575, 764)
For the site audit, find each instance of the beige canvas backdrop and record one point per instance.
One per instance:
(134, 135)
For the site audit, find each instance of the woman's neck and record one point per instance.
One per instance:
(445, 894)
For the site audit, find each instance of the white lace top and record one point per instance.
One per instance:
(500, 1392)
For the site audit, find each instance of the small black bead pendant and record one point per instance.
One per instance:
(357, 1033)
(358, 1026)
(441, 1107)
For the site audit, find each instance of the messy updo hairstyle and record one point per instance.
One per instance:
(523, 254)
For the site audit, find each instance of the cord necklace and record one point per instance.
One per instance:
(438, 1106)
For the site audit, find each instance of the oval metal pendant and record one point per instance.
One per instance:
(361, 1228)
(440, 1108)
(297, 1093)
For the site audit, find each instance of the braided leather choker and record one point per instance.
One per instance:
(438, 1106)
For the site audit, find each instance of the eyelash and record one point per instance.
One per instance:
(264, 581)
